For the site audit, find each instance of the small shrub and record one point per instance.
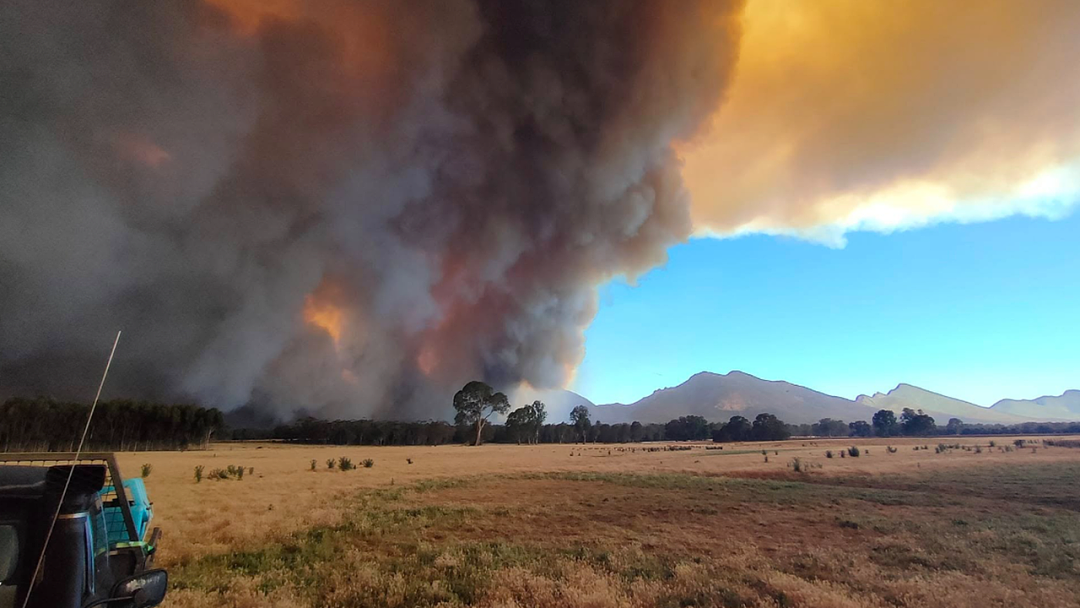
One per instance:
(828, 453)
(992, 444)
(843, 453)
(198, 473)
(239, 473)
(368, 463)
(330, 462)
(231, 470)
(1019, 443)
(408, 460)
(797, 465)
(345, 464)
(891, 449)
(313, 464)
(146, 468)
(217, 474)
(853, 452)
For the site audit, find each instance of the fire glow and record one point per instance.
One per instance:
(325, 316)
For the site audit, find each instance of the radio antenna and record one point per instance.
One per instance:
(71, 470)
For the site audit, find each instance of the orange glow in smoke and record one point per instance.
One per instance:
(142, 150)
(427, 360)
(323, 314)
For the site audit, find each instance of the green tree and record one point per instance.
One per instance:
(916, 423)
(769, 428)
(517, 424)
(475, 403)
(539, 416)
(860, 428)
(579, 418)
(884, 422)
(954, 426)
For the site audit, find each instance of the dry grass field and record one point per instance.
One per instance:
(599, 526)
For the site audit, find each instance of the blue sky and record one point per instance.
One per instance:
(978, 311)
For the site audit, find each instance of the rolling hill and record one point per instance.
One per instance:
(1065, 406)
(939, 406)
(718, 397)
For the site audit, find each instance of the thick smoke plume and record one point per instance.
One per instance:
(351, 207)
(854, 115)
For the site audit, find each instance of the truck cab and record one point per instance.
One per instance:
(79, 567)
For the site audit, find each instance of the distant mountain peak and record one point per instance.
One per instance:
(717, 397)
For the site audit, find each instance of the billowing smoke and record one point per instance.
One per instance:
(351, 207)
(854, 115)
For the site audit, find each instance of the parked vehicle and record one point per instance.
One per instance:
(91, 558)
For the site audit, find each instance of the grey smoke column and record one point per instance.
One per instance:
(451, 179)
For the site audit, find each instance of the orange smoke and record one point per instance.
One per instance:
(427, 360)
(141, 149)
(848, 114)
(322, 313)
(363, 35)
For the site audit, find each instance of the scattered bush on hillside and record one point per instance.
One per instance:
(146, 468)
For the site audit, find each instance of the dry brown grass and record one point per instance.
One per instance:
(537, 526)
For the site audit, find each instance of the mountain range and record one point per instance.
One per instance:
(717, 397)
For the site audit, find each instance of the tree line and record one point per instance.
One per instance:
(477, 403)
(124, 425)
(32, 425)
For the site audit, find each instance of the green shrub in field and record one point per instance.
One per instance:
(368, 463)
(239, 473)
(198, 473)
(853, 452)
(313, 464)
(828, 453)
(891, 449)
(345, 464)
(330, 463)
(146, 468)
(217, 474)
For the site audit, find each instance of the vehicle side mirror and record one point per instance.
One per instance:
(146, 589)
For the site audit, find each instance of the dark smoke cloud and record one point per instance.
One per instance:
(452, 178)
